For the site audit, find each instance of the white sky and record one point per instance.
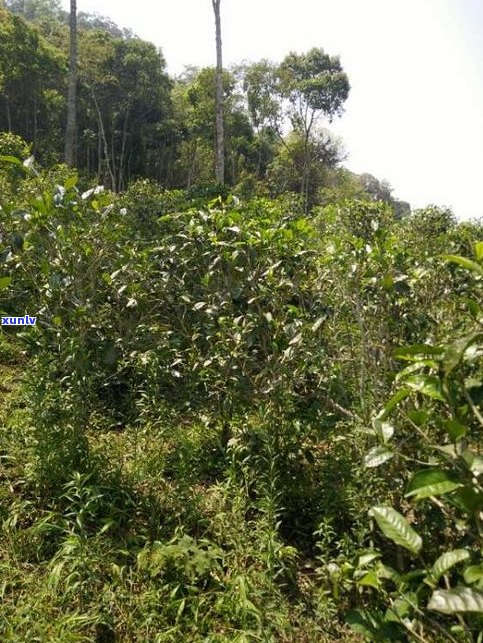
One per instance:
(415, 112)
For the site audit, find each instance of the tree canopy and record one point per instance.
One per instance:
(134, 121)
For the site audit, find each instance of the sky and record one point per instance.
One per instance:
(415, 112)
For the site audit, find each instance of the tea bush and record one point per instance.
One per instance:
(191, 438)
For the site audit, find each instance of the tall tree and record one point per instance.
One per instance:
(72, 91)
(194, 100)
(35, 10)
(31, 82)
(220, 144)
(315, 85)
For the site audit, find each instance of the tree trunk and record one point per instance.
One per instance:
(193, 150)
(9, 115)
(121, 173)
(70, 130)
(220, 144)
(102, 132)
(305, 175)
(36, 125)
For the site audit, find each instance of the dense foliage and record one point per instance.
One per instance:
(246, 412)
(208, 434)
(135, 121)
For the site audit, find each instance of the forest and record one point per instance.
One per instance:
(249, 407)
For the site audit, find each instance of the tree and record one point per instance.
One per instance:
(220, 145)
(377, 190)
(70, 131)
(124, 109)
(31, 86)
(142, 112)
(261, 88)
(35, 10)
(86, 21)
(288, 171)
(314, 85)
(194, 101)
(263, 103)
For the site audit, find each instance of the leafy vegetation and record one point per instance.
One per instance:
(249, 411)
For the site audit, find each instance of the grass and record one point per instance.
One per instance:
(162, 538)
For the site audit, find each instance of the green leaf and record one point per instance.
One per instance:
(413, 575)
(11, 159)
(393, 402)
(375, 626)
(70, 182)
(445, 562)
(473, 308)
(5, 282)
(455, 429)
(426, 384)
(415, 367)
(388, 281)
(456, 601)
(479, 250)
(370, 580)
(419, 417)
(361, 623)
(377, 456)
(473, 574)
(467, 499)
(385, 430)
(406, 604)
(465, 349)
(469, 264)
(384, 571)
(430, 482)
(473, 462)
(417, 351)
(369, 557)
(395, 527)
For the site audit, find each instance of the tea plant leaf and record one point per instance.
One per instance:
(385, 430)
(11, 159)
(431, 482)
(417, 351)
(456, 601)
(445, 562)
(376, 456)
(370, 579)
(367, 558)
(465, 349)
(360, 622)
(469, 264)
(473, 462)
(428, 385)
(473, 574)
(395, 527)
(393, 402)
(455, 429)
(70, 182)
(473, 306)
(467, 499)
(5, 282)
